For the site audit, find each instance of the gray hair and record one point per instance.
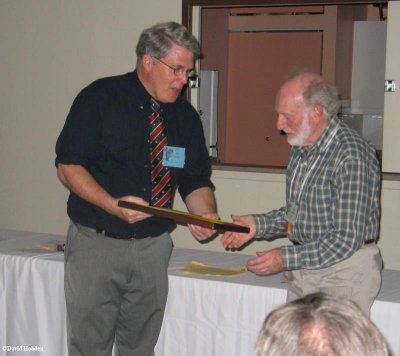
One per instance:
(158, 40)
(317, 91)
(324, 94)
(320, 325)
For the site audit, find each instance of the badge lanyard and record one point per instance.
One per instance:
(293, 205)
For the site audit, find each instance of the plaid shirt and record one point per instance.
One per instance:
(336, 184)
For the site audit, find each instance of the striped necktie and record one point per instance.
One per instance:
(161, 192)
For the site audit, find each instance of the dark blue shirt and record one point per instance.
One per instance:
(107, 132)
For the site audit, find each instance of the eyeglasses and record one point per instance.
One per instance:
(179, 71)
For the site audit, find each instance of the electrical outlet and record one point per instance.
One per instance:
(390, 85)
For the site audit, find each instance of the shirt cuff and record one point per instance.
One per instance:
(71, 159)
(291, 257)
(262, 223)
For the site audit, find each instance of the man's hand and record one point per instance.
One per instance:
(234, 240)
(202, 202)
(203, 233)
(129, 215)
(267, 262)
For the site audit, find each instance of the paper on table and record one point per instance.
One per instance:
(196, 267)
(49, 247)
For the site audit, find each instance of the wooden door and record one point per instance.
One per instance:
(258, 63)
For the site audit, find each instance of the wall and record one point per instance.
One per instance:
(49, 51)
(391, 123)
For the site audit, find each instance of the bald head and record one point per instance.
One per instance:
(315, 90)
(315, 339)
(305, 103)
(301, 81)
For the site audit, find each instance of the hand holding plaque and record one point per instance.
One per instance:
(182, 217)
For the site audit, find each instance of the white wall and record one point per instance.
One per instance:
(49, 51)
(391, 124)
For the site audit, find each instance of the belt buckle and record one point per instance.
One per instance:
(115, 236)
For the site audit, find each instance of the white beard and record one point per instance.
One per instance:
(301, 138)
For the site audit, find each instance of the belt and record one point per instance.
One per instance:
(116, 236)
(367, 242)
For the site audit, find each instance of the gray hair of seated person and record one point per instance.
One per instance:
(320, 325)
(159, 39)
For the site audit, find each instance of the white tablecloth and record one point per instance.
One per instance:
(205, 316)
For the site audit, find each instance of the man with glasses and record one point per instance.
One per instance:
(116, 259)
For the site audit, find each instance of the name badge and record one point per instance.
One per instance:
(174, 156)
(291, 211)
(290, 216)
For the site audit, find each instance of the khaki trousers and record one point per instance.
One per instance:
(357, 278)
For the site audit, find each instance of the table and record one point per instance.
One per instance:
(205, 315)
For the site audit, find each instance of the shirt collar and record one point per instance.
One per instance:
(328, 135)
(141, 95)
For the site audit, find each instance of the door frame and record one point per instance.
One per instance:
(187, 5)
